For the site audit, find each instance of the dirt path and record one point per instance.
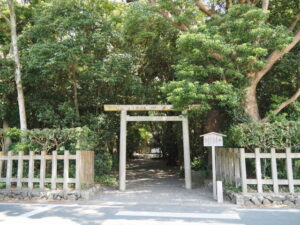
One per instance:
(151, 182)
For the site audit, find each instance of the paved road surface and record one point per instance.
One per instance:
(155, 196)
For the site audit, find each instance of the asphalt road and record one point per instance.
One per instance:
(163, 214)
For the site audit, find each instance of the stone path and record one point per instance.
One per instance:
(150, 181)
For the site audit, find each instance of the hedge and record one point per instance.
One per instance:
(72, 139)
(266, 135)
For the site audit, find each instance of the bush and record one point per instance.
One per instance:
(72, 139)
(103, 163)
(197, 164)
(266, 135)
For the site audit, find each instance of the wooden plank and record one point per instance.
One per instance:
(9, 170)
(78, 169)
(250, 155)
(290, 170)
(54, 170)
(218, 171)
(31, 170)
(20, 169)
(274, 171)
(258, 170)
(115, 108)
(223, 155)
(42, 170)
(111, 108)
(154, 118)
(1, 163)
(237, 168)
(243, 170)
(232, 159)
(66, 170)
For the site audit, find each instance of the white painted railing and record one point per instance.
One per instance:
(84, 172)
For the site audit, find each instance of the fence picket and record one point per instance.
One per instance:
(66, 170)
(54, 170)
(258, 170)
(274, 170)
(31, 170)
(42, 170)
(9, 170)
(20, 169)
(290, 170)
(244, 172)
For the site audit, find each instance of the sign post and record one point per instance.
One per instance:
(213, 140)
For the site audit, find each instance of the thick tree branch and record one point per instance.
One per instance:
(265, 5)
(169, 16)
(203, 8)
(275, 56)
(294, 23)
(284, 104)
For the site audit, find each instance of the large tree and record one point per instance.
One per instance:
(231, 53)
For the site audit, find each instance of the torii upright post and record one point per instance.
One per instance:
(122, 158)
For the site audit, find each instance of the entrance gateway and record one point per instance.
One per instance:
(123, 133)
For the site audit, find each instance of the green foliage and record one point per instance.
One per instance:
(106, 180)
(198, 164)
(214, 59)
(103, 163)
(266, 135)
(233, 188)
(72, 139)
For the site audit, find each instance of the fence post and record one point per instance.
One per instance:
(78, 168)
(31, 170)
(274, 171)
(20, 169)
(66, 170)
(54, 170)
(42, 170)
(258, 170)
(290, 170)
(9, 169)
(1, 164)
(243, 170)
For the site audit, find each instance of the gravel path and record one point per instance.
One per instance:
(152, 182)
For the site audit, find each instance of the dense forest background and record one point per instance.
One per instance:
(77, 55)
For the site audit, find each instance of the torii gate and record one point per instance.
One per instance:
(123, 133)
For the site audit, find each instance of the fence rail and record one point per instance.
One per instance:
(84, 169)
(231, 168)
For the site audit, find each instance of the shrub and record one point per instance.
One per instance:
(266, 135)
(72, 139)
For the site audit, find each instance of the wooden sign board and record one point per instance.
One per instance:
(213, 139)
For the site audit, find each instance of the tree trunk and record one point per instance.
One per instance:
(18, 78)
(75, 90)
(7, 140)
(251, 106)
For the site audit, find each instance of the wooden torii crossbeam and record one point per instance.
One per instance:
(123, 133)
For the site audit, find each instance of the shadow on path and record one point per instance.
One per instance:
(152, 182)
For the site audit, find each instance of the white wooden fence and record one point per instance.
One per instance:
(231, 168)
(84, 172)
